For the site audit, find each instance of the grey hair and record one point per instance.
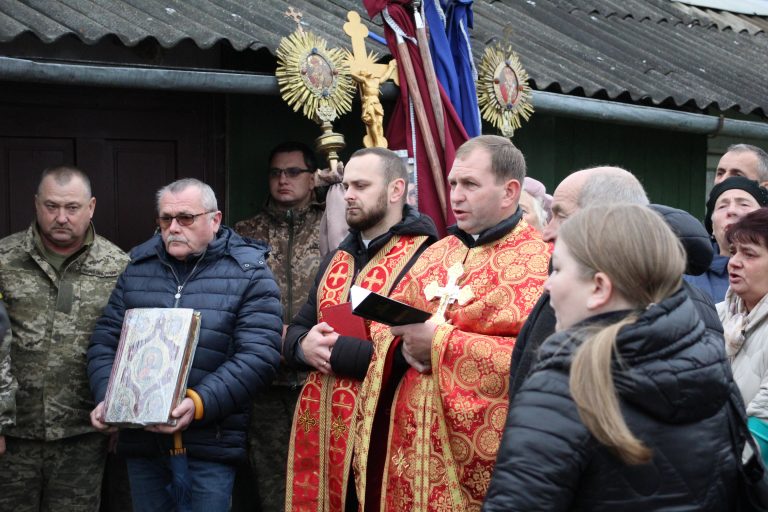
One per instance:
(760, 153)
(207, 195)
(610, 185)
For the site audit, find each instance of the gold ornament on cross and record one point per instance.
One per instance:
(315, 80)
(449, 293)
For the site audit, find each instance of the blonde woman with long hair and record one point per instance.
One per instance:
(627, 406)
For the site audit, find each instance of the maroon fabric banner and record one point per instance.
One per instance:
(399, 129)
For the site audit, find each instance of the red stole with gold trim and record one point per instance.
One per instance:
(446, 425)
(320, 451)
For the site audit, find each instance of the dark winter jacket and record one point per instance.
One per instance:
(692, 235)
(673, 388)
(351, 356)
(238, 350)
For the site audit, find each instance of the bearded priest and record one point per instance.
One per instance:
(385, 237)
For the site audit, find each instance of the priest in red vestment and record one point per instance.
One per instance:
(386, 236)
(432, 407)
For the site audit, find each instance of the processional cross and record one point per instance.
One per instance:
(449, 293)
(369, 75)
(296, 17)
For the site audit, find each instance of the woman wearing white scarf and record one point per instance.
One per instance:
(744, 315)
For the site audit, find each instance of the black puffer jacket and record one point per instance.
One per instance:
(541, 321)
(673, 392)
(238, 350)
(351, 356)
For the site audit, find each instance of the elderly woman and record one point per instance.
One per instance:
(744, 315)
(533, 211)
(729, 201)
(535, 203)
(628, 406)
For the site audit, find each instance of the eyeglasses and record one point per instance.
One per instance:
(184, 219)
(291, 172)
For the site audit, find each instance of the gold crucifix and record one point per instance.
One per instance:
(369, 76)
(295, 16)
(449, 293)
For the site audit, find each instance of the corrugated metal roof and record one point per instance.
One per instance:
(649, 51)
(759, 7)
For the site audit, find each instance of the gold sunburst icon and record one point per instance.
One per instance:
(503, 93)
(312, 77)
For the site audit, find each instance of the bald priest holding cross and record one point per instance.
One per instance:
(426, 435)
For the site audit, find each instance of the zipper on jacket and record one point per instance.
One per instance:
(180, 287)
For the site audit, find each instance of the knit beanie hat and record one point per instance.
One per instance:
(751, 187)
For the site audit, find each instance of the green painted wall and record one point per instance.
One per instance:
(671, 165)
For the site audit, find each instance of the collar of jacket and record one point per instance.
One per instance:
(247, 253)
(281, 214)
(489, 235)
(667, 361)
(33, 232)
(413, 223)
(89, 258)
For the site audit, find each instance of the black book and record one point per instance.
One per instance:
(373, 306)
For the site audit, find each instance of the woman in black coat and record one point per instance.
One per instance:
(627, 407)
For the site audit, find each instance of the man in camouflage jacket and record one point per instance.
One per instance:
(290, 223)
(7, 381)
(56, 278)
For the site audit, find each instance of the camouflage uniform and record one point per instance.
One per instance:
(7, 380)
(294, 236)
(52, 314)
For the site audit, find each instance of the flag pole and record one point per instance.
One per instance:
(429, 73)
(421, 117)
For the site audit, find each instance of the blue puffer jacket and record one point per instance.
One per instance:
(239, 346)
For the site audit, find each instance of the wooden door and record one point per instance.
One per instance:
(130, 143)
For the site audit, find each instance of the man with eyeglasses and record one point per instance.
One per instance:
(195, 262)
(55, 279)
(290, 223)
